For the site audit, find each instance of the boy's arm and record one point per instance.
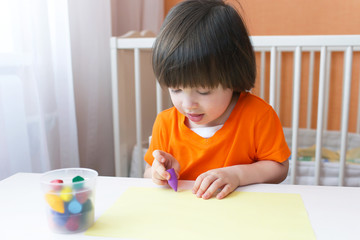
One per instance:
(265, 171)
(229, 178)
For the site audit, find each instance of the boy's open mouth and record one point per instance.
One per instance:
(195, 117)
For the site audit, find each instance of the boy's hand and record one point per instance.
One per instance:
(209, 182)
(162, 162)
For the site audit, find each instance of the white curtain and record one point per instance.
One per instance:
(92, 23)
(37, 112)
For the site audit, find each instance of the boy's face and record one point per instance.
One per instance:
(202, 107)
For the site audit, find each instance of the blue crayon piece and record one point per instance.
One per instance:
(74, 206)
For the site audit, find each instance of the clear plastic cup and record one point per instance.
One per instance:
(69, 195)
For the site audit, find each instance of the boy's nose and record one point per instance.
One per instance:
(189, 104)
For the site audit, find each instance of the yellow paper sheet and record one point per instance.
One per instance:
(158, 213)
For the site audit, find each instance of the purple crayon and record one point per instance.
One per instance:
(173, 181)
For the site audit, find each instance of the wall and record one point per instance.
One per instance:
(298, 17)
(92, 85)
(136, 15)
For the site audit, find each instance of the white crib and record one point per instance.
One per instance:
(136, 96)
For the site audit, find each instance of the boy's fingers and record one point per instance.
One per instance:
(160, 171)
(197, 184)
(213, 187)
(158, 155)
(167, 161)
(224, 192)
(202, 184)
(159, 182)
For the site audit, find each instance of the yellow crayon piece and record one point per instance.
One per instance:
(55, 202)
(66, 194)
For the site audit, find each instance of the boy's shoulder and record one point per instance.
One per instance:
(168, 115)
(252, 108)
(168, 112)
(252, 101)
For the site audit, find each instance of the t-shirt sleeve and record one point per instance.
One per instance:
(157, 139)
(269, 138)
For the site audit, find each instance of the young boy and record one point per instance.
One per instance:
(217, 133)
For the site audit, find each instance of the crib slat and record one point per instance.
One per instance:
(320, 114)
(295, 114)
(327, 90)
(278, 83)
(310, 90)
(262, 74)
(358, 115)
(272, 76)
(345, 113)
(138, 107)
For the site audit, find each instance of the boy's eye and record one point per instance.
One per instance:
(204, 92)
(175, 90)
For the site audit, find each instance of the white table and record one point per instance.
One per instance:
(334, 212)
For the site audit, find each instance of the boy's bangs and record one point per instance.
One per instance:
(192, 65)
(189, 72)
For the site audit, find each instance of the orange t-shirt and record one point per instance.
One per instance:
(252, 132)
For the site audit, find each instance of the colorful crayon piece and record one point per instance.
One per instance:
(74, 207)
(82, 196)
(73, 223)
(66, 194)
(173, 181)
(57, 184)
(87, 206)
(60, 218)
(78, 182)
(55, 202)
(86, 219)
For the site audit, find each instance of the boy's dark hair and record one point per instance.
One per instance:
(204, 43)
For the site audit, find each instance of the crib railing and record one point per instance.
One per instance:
(324, 44)
(275, 46)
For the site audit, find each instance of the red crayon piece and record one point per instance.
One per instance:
(73, 223)
(82, 196)
(57, 184)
